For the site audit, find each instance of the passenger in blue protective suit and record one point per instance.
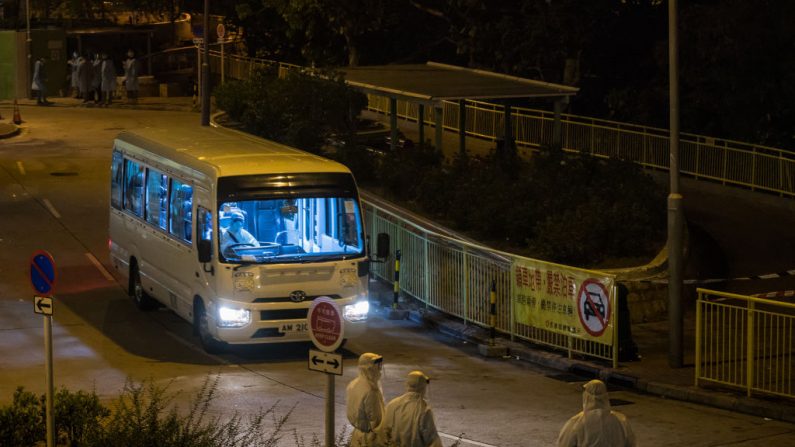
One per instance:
(409, 419)
(596, 425)
(365, 401)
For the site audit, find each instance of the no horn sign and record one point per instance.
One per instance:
(593, 307)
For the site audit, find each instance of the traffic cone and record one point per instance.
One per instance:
(17, 116)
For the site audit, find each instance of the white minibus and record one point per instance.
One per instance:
(236, 234)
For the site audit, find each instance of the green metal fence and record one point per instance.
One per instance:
(455, 277)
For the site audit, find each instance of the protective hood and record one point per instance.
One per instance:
(595, 397)
(370, 367)
(417, 382)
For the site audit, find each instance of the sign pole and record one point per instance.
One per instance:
(42, 278)
(330, 410)
(49, 381)
(326, 329)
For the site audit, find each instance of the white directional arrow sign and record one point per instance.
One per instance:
(42, 305)
(327, 362)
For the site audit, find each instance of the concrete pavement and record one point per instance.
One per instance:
(650, 375)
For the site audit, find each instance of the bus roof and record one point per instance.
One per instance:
(220, 152)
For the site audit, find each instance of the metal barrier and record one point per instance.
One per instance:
(725, 161)
(745, 342)
(456, 277)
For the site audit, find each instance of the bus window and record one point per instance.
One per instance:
(156, 196)
(181, 205)
(204, 224)
(290, 230)
(133, 187)
(116, 171)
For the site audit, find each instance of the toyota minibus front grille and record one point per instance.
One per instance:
(287, 299)
(283, 314)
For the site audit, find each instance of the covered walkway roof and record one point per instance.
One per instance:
(433, 82)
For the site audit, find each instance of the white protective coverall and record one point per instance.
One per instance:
(409, 419)
(365, 401)
(596, 425)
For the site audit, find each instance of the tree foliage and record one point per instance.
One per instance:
(301, 110)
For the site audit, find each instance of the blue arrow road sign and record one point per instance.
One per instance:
(42, 272)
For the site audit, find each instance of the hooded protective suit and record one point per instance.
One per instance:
(409, 420)
(596, 425)
(365, 401)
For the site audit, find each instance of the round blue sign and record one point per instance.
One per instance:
(42, 272)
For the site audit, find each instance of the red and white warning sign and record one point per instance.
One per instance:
(593, 307)
(325, 324)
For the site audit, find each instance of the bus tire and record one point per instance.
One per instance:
(136, 291)
(210, 344)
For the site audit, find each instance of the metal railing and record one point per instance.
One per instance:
(725, 161)
(745, 342)
(455, 277)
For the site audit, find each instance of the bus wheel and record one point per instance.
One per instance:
(202, 322)
(137, 293)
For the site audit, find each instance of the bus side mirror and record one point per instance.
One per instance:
(382, 246)
(205, 251)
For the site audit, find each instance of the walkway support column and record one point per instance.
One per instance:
(557, 128)
(393, 134)
(462, 126)
(149, 54)
(507, 133)
(421, 121)
(438, 118)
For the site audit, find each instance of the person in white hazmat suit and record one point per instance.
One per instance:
(408, 421)
(596, 425)
(365, 401)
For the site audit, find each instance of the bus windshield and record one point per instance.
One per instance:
(284, 230)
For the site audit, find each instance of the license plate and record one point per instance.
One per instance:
(294, 327)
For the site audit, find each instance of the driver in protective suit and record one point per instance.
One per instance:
(596, 425)
(365, 401)
(409, 419)
(236, 234)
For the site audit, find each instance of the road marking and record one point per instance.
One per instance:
(99, 266)
(21, 168)
(51, 208)
(468, 441)
(196, 349)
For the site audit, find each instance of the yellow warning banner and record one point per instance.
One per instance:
(568, 301)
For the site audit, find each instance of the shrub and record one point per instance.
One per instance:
(142, 416)
(22, 422)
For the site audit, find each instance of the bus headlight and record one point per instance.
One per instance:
(229, 317)
(357, 311)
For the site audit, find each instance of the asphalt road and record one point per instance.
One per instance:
(54, 196)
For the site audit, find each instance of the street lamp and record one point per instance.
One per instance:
(205, 87)
(27, 48)
(675, 221)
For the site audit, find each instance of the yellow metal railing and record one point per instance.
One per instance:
(725, 161)
(745, 342)
(455, 277)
